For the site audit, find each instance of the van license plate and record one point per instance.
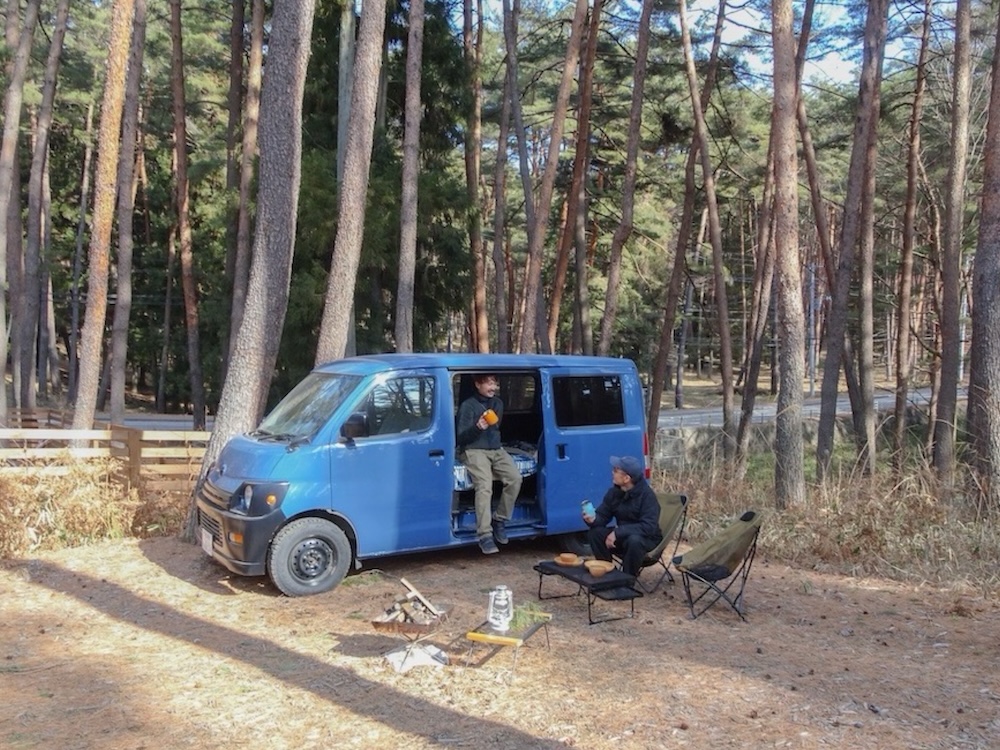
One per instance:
(206, 541)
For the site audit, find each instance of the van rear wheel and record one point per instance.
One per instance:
(309, 556)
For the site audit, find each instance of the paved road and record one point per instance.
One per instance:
(765, 412)
(885, 400)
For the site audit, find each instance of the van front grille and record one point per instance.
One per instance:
(210, 525)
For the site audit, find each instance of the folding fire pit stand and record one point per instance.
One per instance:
(413, 618)
(483, 633)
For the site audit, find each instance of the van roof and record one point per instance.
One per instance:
(369, 363)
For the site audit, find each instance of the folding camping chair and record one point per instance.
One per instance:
(673, 518)
(720, 564)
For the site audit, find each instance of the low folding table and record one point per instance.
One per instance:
(613, 586)
(514, 637)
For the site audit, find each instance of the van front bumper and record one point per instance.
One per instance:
(236, 541)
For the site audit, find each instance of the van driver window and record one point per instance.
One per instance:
(588, 400)
(398, 405)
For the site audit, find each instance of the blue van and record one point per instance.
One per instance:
(358, 461)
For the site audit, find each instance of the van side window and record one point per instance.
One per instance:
(403, 404)
(588, 400)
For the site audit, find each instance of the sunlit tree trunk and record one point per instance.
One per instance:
(105, 189)
(126, 209)
(334, 329)
(411, 176)
(951, 259)
(244, 394)
(789, 470)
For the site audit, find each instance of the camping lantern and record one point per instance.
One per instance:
(501, 609)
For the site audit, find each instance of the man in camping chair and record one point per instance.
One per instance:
(632, 503)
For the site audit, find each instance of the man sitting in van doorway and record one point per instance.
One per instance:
(478, 438)
(633, 505)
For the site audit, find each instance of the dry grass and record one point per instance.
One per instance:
(47, 508)
(858, 526)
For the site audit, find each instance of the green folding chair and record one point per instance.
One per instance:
(673, 519)
(719, 567)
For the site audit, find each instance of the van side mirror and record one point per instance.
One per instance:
(355, 426)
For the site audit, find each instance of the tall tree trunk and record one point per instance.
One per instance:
(861, 156)
(472, 44)
(951, 259)
(510, 19)
(81, 228)
(244, 394)
(8, 150)
(234, 100)
(984, 367)
(535, 326)
(624, 230)
(168, 306)
(411, 176)
(126, 210)
(334, 329)
(576, 196)
(29, 310)
(499, 217)
(665, 351)
(764, 269)
(715, 234)
(108, 134)
(185, 242)
(248, 153)
(789, 470)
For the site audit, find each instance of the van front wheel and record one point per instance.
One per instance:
(308, 556)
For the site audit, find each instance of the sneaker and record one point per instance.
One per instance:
(487, 545)
(499, 532)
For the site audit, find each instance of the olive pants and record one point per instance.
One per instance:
(484, 466)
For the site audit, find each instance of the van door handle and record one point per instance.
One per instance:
(561, 448)
(436, 453)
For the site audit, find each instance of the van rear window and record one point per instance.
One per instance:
(588, 400)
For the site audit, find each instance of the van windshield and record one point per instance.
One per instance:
(309, 405)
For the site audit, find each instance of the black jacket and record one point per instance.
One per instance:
(470, 436)
(636, 511)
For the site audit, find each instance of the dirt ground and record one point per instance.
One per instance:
(150, 645)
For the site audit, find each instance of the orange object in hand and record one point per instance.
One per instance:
(491, 417)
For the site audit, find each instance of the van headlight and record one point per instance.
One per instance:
(257, 499)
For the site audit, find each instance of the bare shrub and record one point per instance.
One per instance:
(66, 503)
